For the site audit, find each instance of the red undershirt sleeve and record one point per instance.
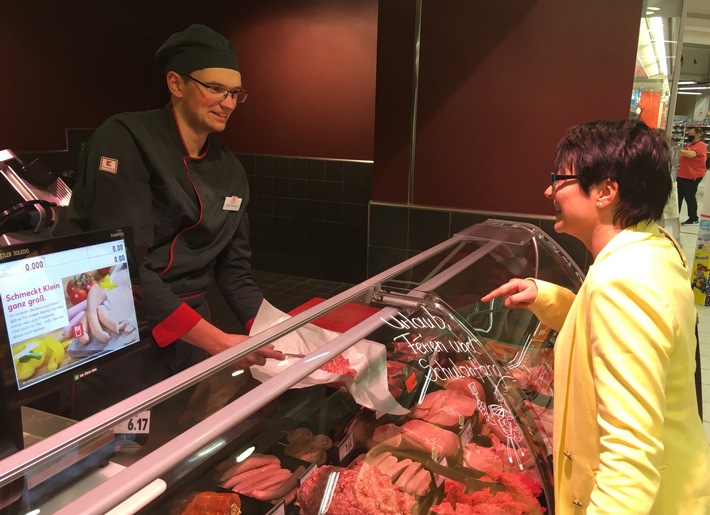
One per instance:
(175, 325)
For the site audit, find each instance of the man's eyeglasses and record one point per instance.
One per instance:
(239, 94)
(560, 177)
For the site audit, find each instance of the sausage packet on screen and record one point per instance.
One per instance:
(367, 382)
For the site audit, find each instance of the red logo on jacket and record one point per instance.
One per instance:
(108, 164)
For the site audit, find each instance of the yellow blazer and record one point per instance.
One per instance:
(627, 436)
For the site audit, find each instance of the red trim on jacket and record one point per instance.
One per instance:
(194, 188)
(175, 325)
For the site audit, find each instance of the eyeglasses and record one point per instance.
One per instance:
(560, 177)
(239, 94)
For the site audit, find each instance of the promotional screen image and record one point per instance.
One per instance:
(66, 308)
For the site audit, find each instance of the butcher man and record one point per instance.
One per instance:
(185, 196)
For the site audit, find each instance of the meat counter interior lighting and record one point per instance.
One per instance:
(245, 454)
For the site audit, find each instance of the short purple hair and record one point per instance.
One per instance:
(628, 152)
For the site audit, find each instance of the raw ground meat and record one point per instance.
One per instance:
(518, 500)
(360, 490)
(339, 365)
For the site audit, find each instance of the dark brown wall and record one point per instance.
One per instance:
(497, 89)
(309, 66)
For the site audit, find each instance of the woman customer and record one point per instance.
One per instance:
(627, 435)
(691, 170)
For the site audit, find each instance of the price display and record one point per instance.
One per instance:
(466, 434)
(137, 424)
(345, 447)
(279, 509)
(35, 264)
(307, 473)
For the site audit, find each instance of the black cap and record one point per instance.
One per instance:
(195, 48)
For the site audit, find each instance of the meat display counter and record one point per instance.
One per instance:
(426, 401)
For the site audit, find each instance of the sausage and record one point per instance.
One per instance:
(406, 475)
(254, 480)
(377, 460)
(95, 298)
(420, 483)
(254, 461)
(243, 477)
(72, 311)
(84, 338)
(394, 471)
(289, 485)
(275, 480)
(106, 320)
(387, 463)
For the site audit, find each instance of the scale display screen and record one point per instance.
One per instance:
(68, 304)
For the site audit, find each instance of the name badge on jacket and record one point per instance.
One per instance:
(232, 203)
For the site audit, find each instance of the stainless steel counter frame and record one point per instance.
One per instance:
(202, 436)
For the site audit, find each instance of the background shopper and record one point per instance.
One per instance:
(185, 196)
(627, 437)
(691, 170)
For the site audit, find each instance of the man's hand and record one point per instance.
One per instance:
(518, 293)
(214, 340)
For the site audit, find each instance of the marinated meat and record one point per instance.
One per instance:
(213, 503)
(360, 490)
(445, 408)
(428, 437)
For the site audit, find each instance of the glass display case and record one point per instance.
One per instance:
(403, 394)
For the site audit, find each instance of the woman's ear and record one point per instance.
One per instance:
(607, 193)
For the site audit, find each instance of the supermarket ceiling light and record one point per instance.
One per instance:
(686, 82)
(646, 54)
(689, 88)
(655, 26)
(681, 92)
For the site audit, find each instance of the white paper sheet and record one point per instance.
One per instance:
(368, 359)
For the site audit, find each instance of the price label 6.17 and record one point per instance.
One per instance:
(137, 424)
